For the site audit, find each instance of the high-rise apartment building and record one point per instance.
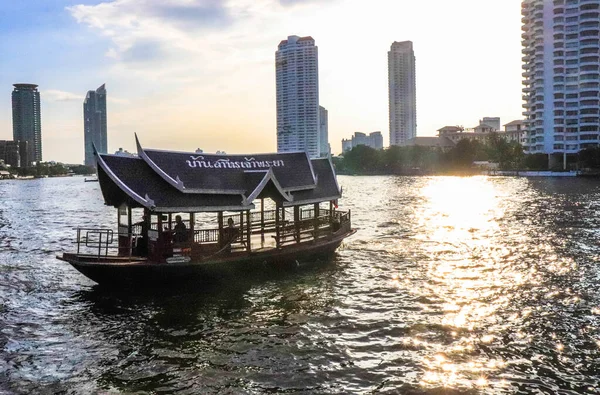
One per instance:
(27, 122)
(324, 132)
(561, 66)
(402, 92)
(373, 140)
(94, 124)
(297, 78)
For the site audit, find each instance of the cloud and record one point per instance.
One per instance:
(132, 13)
(204, 14)
(290, 3)
(145, 50)
(59, 96)
(147, 31)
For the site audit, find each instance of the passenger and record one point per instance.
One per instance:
(180, 233)
(230, 233)
(141, 243)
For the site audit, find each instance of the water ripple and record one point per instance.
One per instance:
(452, 285)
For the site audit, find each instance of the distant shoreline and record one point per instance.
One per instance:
(469, 173)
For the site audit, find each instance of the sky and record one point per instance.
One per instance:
(187, 74)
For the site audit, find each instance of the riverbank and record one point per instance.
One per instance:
(476, 172)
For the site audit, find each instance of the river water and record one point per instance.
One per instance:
(452, 285)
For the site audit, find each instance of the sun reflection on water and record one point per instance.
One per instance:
(461, 217)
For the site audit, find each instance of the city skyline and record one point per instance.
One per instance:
(95, 124)
(297, 85)
(402, 92)
(206, 76)
(26, 121)
(561, 76)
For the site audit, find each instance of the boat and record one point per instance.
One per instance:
(186, 216)
(90, 180)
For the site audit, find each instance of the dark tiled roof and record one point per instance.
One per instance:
(326, 189)
(136, 181)
(172, 181)
(224, 174)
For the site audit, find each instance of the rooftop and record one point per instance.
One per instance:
(25, 86)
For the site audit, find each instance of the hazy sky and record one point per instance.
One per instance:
(184, 74)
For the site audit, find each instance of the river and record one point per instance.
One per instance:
(451, 285)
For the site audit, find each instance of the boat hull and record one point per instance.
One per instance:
(118, 271)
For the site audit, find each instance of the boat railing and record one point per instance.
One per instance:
(206, 235)
(306, 229)
(345, 220)
(99, 240)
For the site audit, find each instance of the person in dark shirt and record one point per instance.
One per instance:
(180, 231)
(142, 240)
(230, 233)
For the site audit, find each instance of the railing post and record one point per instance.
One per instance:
(99, 245)
(248, 231)
(297, 222)
(316, 221)
(277, 231)
(262, 220)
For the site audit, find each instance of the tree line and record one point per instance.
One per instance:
(52, 170)
(433, 160)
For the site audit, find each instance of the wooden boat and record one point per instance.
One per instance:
(204, 215)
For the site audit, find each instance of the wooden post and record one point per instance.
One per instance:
(170, 221)
(129, 232)
(192, 226)
(160, 243)
(277, 240)
(330, 210)
(129, 219)
(316, 223)
(248, 231)
(262, 220)
(241, 239)
(297, 222)
(220, 221)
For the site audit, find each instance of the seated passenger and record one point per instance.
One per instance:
(180, 233)
(230, 233)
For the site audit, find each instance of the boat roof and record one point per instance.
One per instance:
(172, 181)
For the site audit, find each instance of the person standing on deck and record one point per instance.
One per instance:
(180, 231)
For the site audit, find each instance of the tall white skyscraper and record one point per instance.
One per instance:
(324, 131)
(561, 67)
(402, 92)
(297, 74)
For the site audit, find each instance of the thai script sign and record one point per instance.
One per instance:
(247, 163)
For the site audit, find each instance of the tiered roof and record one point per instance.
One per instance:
(169, 181)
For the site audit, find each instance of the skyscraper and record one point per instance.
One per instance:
(27, 122)
(402, 92)
(324, 131)
(561, 66)
(94, 124)
(297, 77)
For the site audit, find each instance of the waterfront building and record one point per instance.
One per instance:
(297, 84)
(515, 131)
(122, 152)
(561, 75)
(373, 140)
(443, 142)
(492, 122)
(456, 133)
(10, 152)
(324, 132)
(27, 122)
(402, 92)
(94, 124)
